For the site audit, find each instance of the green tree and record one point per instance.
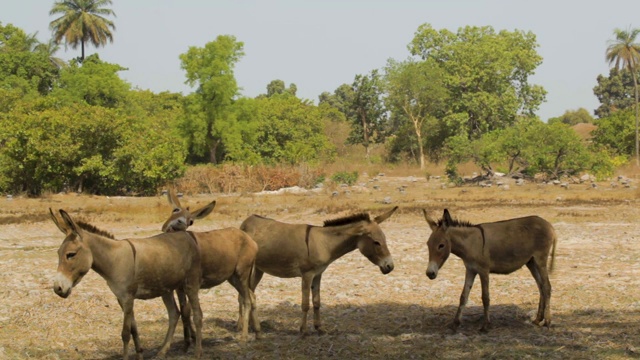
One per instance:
(24, 68)
(82, 21)
(615, 92)
(573, 117)
(416, 92)
(290, 130)
(624, 52)
(208, 111)
(366, 112)
(616, 132)
(486, 72)
(95, 83)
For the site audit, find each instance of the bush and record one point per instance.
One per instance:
(345, 177)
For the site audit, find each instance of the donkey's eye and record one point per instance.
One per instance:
(377, 243)
(176, 210)
(70, 255)
(441, 246)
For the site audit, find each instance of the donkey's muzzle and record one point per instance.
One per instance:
(60, 292)
(387, 268)
(431, 274)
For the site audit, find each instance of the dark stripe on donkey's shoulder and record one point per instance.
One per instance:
(347, 220)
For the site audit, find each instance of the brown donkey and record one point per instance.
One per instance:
(499, 247)
(300, 250)
(226, 255)
(134, 269)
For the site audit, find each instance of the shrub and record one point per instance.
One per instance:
(345, 177)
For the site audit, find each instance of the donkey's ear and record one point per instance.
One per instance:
(447, 220)
(71, 225)
(173, 199)
(204, 211)
(60, 226)
(432, 224)
(385, 216)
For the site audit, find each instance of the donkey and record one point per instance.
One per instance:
(134, 269)
(300, 250)
(226, 255)
(498, 247)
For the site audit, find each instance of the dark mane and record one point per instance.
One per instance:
(347, 220)
(456, 223)
(92, 229)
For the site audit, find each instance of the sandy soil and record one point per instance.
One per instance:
(595, 301)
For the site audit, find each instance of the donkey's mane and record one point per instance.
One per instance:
(347, 220)
(92, 229)
(456, 223)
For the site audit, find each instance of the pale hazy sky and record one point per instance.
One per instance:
(321, 44)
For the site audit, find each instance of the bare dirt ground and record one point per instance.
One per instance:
(595, 300)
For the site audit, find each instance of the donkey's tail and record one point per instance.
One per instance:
(553, 252)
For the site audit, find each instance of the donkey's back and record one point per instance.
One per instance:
(510, 244)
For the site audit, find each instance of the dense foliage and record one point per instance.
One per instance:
(462, 96)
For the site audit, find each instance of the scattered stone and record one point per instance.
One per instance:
(334, 194)
(387, 200)
(556, 182)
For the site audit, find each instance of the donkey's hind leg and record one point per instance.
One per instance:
(253, 283)
(541, 275)
(185, 314)
(315, 297)
(244, 301)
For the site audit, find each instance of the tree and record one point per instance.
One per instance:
(95, 82)
(615, 92)
(208, 110)
(82, 21)
(277, 87)
(616, 132)
(23, 68)
(573, 117)
(624, 52)
(486, 72)
(416, 92)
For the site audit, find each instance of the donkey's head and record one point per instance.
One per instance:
(439, 243)
(74, 256)
(181, 218)
(372, 242)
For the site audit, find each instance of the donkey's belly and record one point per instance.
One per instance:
(282, 270)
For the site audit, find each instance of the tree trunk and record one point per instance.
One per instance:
(213, 151)
(82, 52)
(365, 133)
(635, 86)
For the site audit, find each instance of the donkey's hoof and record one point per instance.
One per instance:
(321, 330)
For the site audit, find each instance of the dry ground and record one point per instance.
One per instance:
(595, 300)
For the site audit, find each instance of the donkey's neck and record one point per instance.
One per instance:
(338, 240)
(466, 241)
(109, 256)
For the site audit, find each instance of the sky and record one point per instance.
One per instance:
(320, 44)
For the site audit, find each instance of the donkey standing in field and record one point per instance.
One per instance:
(226, 255)
(300, 250)
(134, 269)
(499, 247)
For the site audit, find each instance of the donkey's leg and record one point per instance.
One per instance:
(546, 291)
(194, 301)
(185, 314)
(469, 277)
(242, 286)
(533, 268)
(484, 281)
(315, 296)
(129, 327)
(174, 316)
(255, 323)
(307, 279)
(253, 283)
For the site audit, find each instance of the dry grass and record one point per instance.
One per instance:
(595, 300)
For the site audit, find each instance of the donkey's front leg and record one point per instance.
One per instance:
(315, 292)
(484, 281)
(307, 279)
(469, 277)
(129, 327)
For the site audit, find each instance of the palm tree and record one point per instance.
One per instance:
(82, 21)
(624, 52)
(51, 48)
